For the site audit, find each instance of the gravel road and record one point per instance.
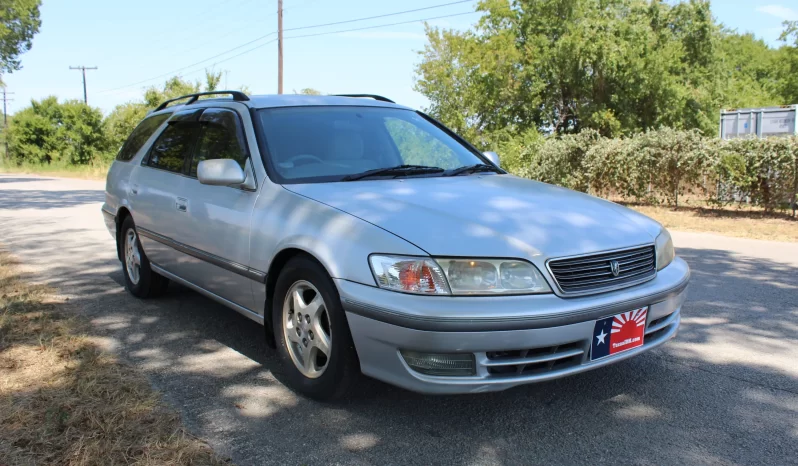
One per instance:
(724, 392)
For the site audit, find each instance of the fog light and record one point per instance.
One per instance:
(456, 364)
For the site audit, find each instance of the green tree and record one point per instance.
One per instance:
(19, 22)
(62, 133)
(787, 64)
(615, 66)
(121, 121)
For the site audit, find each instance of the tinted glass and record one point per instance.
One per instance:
(140, 135)
(221, 137)
(418, 147)
(170, 150)
(318, 144)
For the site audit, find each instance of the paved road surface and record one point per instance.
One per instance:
(724, 392)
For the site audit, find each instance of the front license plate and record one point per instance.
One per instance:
(618, 333)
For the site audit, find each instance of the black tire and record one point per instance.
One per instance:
(149, 284)
(342, 367)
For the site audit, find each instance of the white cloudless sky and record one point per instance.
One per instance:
(138, 44)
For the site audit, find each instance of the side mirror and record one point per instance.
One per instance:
(220, 172)
(493, 157)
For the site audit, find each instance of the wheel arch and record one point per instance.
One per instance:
(121, 215)
(275, 267)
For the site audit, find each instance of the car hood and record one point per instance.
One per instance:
(487, 215)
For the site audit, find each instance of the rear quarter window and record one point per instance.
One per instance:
(140, 135)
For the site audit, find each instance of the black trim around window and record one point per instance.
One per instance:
(196, 114)
(271, 172)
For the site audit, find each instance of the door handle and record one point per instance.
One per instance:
(181, 204)
(134, 189)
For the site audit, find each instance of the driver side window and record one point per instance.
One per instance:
(221, 137)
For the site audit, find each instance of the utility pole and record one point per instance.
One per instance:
(279, 46)
(83, 69)
(5, 118)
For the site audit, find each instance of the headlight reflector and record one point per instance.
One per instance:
(455, 276)
(492, 276)
(417, 275)
(665, 252)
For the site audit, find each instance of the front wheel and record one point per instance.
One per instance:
(140, 279)
(311, 331)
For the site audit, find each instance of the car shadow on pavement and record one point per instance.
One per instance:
(31, 199)
(8, 179)
(724, 391)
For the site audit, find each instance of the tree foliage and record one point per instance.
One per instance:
(53, 132)
(19, 22)
(613, 66)
(664, 165)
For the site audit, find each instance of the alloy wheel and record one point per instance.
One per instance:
(132, 256)
(306, 327)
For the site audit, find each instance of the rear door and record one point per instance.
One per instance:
(158, 191)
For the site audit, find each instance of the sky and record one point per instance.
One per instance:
(139, 44)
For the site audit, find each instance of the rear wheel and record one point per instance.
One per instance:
(140, 279)
(311, 331)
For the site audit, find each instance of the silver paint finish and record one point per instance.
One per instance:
(220, 172)
(223, 239)
(501, 313)
(377, 344)
(493, 157)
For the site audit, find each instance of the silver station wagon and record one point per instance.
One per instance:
(366, 237)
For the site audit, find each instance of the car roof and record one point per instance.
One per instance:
(288, 100)
(300, 100)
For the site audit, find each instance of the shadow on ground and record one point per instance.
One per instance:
(725, 391)
(31, 199)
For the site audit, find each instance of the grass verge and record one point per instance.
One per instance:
(64, 401)
(740, 222)
(85, 172)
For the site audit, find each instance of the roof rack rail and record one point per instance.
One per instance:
(238, 96)
(367, 96)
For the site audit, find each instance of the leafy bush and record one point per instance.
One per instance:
(661, 165)
(69, 133)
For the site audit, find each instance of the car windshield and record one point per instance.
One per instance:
(324, 144)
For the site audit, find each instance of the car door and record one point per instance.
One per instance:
(158, 188)
(217, 224)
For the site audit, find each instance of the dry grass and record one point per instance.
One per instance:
(63, 401)
(742, 222)
(83, 172)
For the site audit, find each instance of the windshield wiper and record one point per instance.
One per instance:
(479, 167)
(399, 170)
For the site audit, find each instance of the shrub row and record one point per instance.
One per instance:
(661, 166)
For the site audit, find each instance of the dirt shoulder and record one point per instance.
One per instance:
(65, 401)
(748, 223)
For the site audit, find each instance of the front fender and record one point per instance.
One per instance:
(340, 241)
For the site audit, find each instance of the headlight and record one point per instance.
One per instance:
(417, 275)
(457, 276)
(493, 276)
(664, 246)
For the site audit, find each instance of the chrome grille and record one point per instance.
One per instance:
(589, 274)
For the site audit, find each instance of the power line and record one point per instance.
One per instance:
(379, 16)
(329, 33)
(381, 25)
(257, 39)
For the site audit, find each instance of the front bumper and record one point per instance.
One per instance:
(384, 322)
